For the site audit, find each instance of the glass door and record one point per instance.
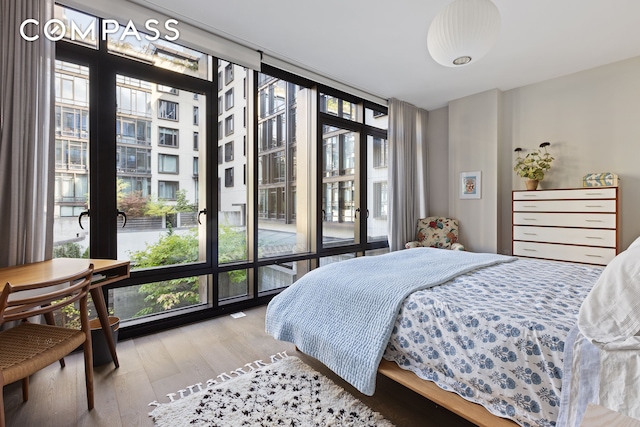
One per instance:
(160, 164)
(71, 203)
(340, 207)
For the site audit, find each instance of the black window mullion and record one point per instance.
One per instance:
(253, 214)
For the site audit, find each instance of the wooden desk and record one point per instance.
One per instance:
(105, 271)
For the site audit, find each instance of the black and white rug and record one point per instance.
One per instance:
(286, 392)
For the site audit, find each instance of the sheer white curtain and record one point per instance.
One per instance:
(26, 135)
(407, 171)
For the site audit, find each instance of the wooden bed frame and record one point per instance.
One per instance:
(470, 411)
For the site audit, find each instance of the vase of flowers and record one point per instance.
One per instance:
(534, 165)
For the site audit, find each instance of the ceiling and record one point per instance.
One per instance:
(379, 46)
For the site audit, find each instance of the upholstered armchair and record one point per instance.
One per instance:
(436, 232)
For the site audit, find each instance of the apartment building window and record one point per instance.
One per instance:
(132, 131)
(220, 106)
(220, 134)
(228, 125)
(168, 137)
(220, 158)
(72, 122)
(262, 170)
(167, 110)
(228, 151)
(278, 166)
(167, 89)
(293, 155)
(272, 133)
(228, 177)
(71, 187)
(196, 142)
(380, 200)
(380, 152)
(133, 101)
(168, 163)
(195, 167)
(133, 159)
(196, 115)
(71, 89)
(71, 155)
(339, 154)
(228, 74)
(244, 174)
(228, 99)
(168, 190)
(136, 184)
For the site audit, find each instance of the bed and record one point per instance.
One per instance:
(482, 329)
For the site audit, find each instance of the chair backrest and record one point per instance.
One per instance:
(21, 302)
(437, 232)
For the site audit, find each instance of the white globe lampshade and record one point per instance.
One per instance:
(463, 32)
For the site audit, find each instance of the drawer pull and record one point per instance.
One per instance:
(530, 234)
(593, 237)
(530, 195)
(593, 194)
(594, 256)
(530, 219)
(593, 220)
(529, 206)
(530, 250)
(592, 206)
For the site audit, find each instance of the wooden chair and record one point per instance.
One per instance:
(29, 347)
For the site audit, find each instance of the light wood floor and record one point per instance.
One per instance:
(154, 365)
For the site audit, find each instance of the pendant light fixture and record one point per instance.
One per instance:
(463, 32)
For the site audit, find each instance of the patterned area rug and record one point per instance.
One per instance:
(287, 392)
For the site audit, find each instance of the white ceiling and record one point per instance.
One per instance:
(380, 46)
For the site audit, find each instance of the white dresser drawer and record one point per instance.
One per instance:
(565, 206)
(574, 236)
(583, 254)
(587, 220)
(587, 193)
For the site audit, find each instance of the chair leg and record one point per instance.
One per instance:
(51, 321)
(25, 389)
(88, 352)
(88, 372)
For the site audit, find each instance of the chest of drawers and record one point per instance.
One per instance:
(577, 225)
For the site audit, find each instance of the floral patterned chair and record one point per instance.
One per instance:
(437, 232)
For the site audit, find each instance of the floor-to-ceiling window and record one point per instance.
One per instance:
(221, 184)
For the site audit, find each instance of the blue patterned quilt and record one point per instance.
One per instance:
(496, 336)
(342, 314)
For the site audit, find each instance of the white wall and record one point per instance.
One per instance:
(591, 118)
(473, 146)
(438, 170)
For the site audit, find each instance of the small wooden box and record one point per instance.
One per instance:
(604, 179)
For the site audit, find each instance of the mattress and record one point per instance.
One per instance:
(496, 336)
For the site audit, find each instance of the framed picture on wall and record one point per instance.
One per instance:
(471, 185)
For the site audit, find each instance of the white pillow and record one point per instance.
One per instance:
(611, 311)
